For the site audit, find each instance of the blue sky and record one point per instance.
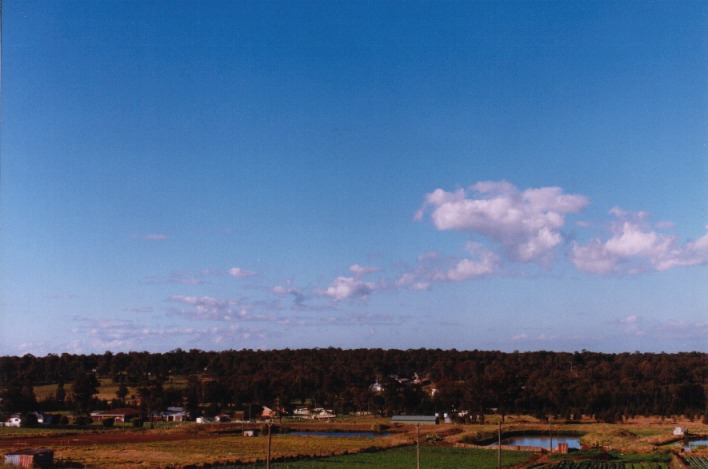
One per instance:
(470, 175)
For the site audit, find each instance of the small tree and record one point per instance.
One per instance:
(18, 395)
(60, 395)
(122, 391)
(151, 396)
(85, 386)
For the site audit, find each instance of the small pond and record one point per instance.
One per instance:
(689, 444)
(542, 441)
(341, 434)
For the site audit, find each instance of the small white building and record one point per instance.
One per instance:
(175, 414)
(14, 421)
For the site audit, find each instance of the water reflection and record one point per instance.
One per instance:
(542, 441)
(692, 444)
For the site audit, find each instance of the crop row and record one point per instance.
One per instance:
(699, 462)
(609, 465)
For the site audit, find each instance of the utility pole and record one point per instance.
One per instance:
(270, 439)
(417, 449)
(550, 435)
(499, 446)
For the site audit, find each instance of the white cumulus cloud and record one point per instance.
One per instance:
(526, 224)
(483, 262)
(343, 288)
(354, 287)
(634, 247)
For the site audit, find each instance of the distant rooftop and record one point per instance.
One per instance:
(415, 419)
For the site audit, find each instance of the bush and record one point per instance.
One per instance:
(82, 421)
(432, 438)
(379, 428)
(137, 422)
(63, 420)
(28, 420)
(108, 423)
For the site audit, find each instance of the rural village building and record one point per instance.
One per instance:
(174, 414)
(120, 415)
(416, 419)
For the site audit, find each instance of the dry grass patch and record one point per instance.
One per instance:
(219, 449)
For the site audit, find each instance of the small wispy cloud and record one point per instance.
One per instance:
(297, 294)
(150, 236)
(542, 338)
(367, 319)
(104, 334)
(433, 268)
(361, 270)
(180, 278)
(238, 272)
(60, 296)
(140, 309)
(631, 325)
(682, 330)
(208, 308)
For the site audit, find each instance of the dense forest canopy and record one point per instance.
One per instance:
(607, 386)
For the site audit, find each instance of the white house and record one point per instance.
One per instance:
(14, 421)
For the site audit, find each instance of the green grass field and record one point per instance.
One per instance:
(404, 457)
(107, 390)
(594, 460)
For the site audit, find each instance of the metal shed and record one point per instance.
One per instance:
(34, 457)
(416, 419)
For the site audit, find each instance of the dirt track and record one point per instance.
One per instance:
(131, 435)
(97, 438)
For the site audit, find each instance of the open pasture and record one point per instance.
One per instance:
(646, 445)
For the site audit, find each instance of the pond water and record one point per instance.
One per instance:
(341, 434)
(687, 445)
(542, 441)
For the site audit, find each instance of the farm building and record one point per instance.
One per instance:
(174, 414)
(416, 419)
(36, 457)
(14, 421)
(268, 413)
(120, 415)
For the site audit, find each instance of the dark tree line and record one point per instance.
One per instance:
(608, 386)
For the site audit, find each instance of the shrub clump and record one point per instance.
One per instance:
(108, 423)
(82, 421)
(379, 428)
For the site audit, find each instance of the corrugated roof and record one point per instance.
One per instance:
(422, 419)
